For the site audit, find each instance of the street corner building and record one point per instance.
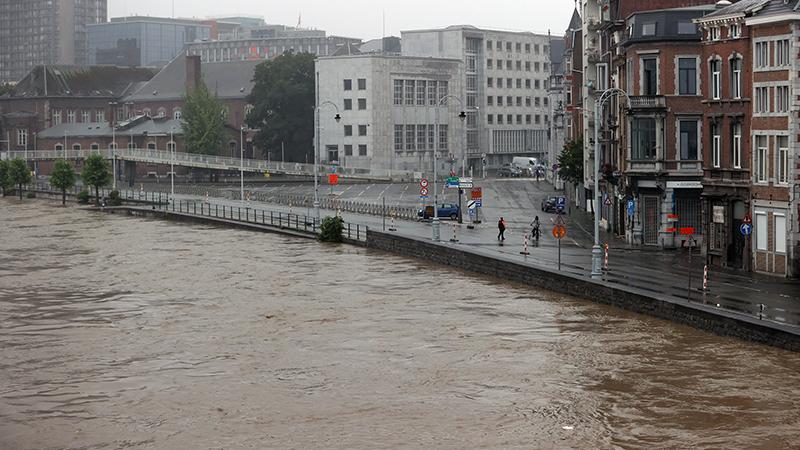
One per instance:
(696, 145)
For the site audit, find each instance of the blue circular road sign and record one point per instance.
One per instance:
(746, 229)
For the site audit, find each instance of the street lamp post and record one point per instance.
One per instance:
(597, 251)
(114, 156)
(338, 119)
(463, 115)
(172, 163)
(241, 164)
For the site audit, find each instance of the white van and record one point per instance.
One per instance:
(528, 164)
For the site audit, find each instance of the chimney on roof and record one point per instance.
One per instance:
(193, 74)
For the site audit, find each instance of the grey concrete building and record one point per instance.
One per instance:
(142, 41)
(43, 32)
(277, 42)
(504, 87)
(388, 112)
(557, 92)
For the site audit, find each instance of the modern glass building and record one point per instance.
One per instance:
(142, 41)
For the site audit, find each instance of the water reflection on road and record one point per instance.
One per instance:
(121, 332)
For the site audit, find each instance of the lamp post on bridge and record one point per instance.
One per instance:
(597, 251)
(172, 162)
(338, 119)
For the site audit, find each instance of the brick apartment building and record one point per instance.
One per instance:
(727, 105)
(573, 82)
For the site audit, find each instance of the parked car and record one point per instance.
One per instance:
(445, 211)
(509, 170)
(549, 205)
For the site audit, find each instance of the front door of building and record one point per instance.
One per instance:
(650, 221)
(736, 242)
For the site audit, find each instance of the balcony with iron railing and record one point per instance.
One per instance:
(647, 102)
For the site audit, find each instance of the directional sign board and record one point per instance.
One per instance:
(452, 183)
(465, 183)
(746, 229)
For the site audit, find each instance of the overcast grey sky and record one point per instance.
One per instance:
(363, 18)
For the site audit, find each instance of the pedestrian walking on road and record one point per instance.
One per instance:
(501, 227)
(535, 229)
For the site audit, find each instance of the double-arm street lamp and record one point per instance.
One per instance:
(463, 116)
(597, 251)
(338, 119)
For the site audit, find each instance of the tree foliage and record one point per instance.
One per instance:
(18, 174)
(5, 180)
(96, 172)
(283, 100)
(570, 162)
(63, 178)
(5, 88)
(203, 120)
(331, 229)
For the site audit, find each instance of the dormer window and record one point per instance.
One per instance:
(649, 29)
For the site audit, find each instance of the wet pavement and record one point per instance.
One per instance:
(130, 333)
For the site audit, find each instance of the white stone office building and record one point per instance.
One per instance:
(388, 111)
(504, 85)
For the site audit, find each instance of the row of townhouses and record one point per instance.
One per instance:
(698, 125)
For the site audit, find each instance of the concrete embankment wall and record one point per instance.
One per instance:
(696, 315)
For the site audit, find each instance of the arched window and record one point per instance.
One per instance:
(176, 113)
(95, 146)
(736, 76)
(233, 146)
(59, 148)
(113, 146)
(147, 112)
(171, 146)
(151, 145)
(715, 70)
(162, 112)
(76, 146)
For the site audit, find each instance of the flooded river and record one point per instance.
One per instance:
(132, 333)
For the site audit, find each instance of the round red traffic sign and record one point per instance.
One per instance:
(423, 183)
(559, 232)
(423, 192)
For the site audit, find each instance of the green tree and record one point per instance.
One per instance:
(96, 172)
(283, 100)
(203, 120)
(5, 181)
(18, 174)
(570, 162)
(63, 177)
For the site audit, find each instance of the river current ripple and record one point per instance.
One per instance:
(131, 333)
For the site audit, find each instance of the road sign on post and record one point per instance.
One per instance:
(333, 179)
(561, 204)
(746, 229)
(631, 208)
(559, 232)
(452, 183)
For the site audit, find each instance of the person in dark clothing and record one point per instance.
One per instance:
(501, 226)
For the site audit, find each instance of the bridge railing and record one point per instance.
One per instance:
(217, 162)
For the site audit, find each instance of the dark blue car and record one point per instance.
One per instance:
(446, 211)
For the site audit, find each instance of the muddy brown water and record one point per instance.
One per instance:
(133, 333)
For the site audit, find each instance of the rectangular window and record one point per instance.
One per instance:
(519, 83)
(490, 82)
(761, 159)
(649, 76)
(519, 47)
(527, 48)
(602, 77)
(490, 100)
(499, 119)
(716, 144)
(528, 102)
(348, 85)
(527, 119)
(100, 116)
(782, 99)
(688, 139)
(432, 100)
(509, 119)
(519, 119)
(527, 66)
(519, 101)
(762, 55)
(687, 76)
(643, 139)
(362, 150)
(362, 104)
(422, 137)
(499, 83)
(85, 116)
(687, 28)
(22, 137)
(409, 94)
(761, 230)
(348, 130)
(782, 150)
(714, 33)
(348, 149)
(411, 134)
(527, 83)
(782, 52)
(362, 130)
(362, 84)
(509, 64)
(398, 139)
(780, 233)
(422, 88)
(398, 92)
(490, 119)
(489, 63)
(737, 146)
(736, 78)
(509, 101)
(56, 117)
(734, 31)
(443, 140)
(489, 45)
(443, 89)
(716, 86)
(649, 29)
(519, 65)
(348, 104)
(431, 136)
(499, 100)
(761, 104)
(70, 116)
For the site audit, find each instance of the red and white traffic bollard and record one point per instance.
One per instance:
(525, 246)
(605, 258)
(705, 278)
(392, 227)
(455, 238)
